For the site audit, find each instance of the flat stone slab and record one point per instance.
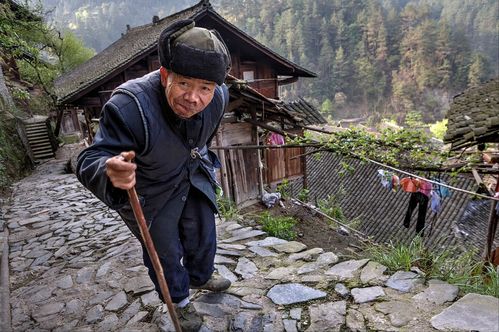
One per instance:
(347, 270)
(323, 261)
(404, 281)
(139, 285)
(262, 252)
(246, 268)
(281, 273)
(438, 292)
(243, 236)
(367, 294)
(400, 313)
(290, 247)
(226, 273)
(117, 302)
(308, 255)
(267, 242)
(342, 290)
(473, 312)
(327, 316)
(293, 293)
(372, 274)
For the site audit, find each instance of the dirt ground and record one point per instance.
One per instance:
(313, 229)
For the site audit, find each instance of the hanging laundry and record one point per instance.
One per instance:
(395, 182)
(441, 190)
(409, 185)
(385, 178)
(425, 187)
(389, 180)
(417, 198)
(435, 203)
(275, 139)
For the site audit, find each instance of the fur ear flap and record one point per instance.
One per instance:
(167, 37)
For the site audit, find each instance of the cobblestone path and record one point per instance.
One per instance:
(74, 266)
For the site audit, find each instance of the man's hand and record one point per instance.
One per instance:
(121, 171)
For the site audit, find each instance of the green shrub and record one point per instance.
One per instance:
(281, 227)
(227, 208)
(284, 188)
(332, 208)
(303, 195)
(462, 269)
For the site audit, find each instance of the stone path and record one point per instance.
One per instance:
(74, 266)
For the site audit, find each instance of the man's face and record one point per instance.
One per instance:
(186, 96)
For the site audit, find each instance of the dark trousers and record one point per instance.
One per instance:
(415, 199)
(186, 247)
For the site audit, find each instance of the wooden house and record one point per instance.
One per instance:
(257, 72)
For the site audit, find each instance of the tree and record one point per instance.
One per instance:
(477, 72)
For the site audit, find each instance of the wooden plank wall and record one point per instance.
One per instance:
(242, 165)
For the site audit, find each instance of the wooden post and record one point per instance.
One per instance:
(60, 115)
(258, 152)
(89, 126)
(491, 233)
(223, 171)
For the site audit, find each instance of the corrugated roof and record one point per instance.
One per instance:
(139, 41)
(474, 116)
(381, 211)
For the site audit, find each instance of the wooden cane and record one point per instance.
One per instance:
(151, 250)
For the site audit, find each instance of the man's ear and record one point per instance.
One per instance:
(164, 76)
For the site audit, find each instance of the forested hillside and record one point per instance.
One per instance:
(382, 58)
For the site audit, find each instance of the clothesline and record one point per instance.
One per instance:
(431, 181)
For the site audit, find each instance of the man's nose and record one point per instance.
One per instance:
(191, 96)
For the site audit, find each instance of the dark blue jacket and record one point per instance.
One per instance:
(169, 160)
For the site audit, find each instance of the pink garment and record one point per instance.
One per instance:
(425, 187)
(275, 139)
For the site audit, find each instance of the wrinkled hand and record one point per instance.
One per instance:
(121, 171)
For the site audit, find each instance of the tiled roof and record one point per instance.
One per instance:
(474, 116)
(381, 211)
(299, 110)
(143, 40)
(136, 42)
(302, 111)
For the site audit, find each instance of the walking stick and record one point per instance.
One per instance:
(151, 250)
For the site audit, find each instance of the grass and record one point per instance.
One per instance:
(463, 270)
(227, 208)
(281, 227)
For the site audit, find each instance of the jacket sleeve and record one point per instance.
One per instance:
(114, 136)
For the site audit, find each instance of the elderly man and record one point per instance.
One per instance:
(164, 121)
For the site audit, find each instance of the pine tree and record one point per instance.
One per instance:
(477, 72)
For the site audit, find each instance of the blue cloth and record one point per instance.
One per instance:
(435, 202)
(193, 239)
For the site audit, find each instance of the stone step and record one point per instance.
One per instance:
(42, 149)
(37, 134)
(39, 141)
(43, 155)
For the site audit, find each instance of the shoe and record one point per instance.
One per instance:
(215, 284)
(189, 319)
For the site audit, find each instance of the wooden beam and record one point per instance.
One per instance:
(479, 181)
(268, 127)
(223, 170)
(492, 229)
